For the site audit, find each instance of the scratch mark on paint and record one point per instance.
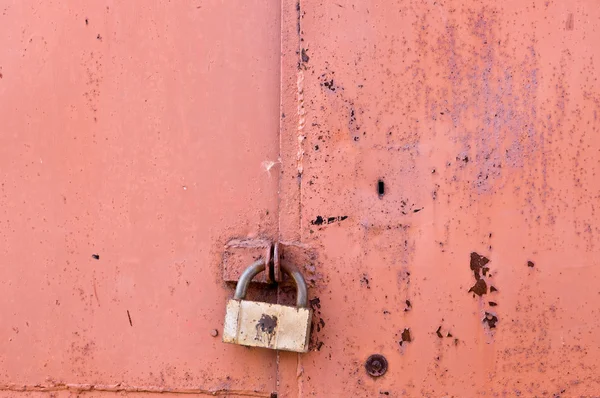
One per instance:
(96, 291)
(122, 388)
(301, 120)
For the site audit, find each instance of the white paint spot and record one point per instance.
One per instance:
(268, 165)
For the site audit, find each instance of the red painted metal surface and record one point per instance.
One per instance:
(481, 120)
(138, 132)
(437, 185)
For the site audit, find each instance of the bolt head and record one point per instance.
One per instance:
(376, 365)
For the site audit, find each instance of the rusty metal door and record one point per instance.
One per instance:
(430, 165)
(448, 154)
(132, 147)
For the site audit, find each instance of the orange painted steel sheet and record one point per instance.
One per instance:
(461, 141)
(434, 177)
(132, 148)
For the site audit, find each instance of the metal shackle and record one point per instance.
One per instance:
(257, 267)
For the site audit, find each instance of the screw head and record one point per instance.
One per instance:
(214, 333)
(376, 365)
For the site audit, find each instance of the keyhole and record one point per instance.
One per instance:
(380, 188)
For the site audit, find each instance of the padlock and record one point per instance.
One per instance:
(274, 326)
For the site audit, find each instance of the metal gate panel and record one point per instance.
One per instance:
(133, 146)
(449, 184)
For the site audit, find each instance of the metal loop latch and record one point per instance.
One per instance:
(257, 267)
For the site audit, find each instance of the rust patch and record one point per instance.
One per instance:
(479, 288)
(315, 303)
(364, 281)
(477, 264)
(530, 264)
(438, 332)
(320, 324)
(304, 56)
(490, 319)
(316, 325)
(405, 337)
(320, 220)
(480, 270)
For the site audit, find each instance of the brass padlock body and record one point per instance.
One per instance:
(274, 326)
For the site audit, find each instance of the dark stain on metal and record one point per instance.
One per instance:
(298, 16)
(479, 288)
(327, 220)
(408, 305)
(464, 158)
(329, 84)
(364, 281)
(406, 337)
(530, 264)
(376, 365)
(315, 303)
(320, 324)
(316, 325)
(273, 395)
(305, 56)
(493, 289)
(492, 303)
(96, 256)
(477, 263)
(267, 323)
(490, 319)
(129, 316)
(439, 332)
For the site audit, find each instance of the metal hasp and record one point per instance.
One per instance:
(239, 253)
(273, 326)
